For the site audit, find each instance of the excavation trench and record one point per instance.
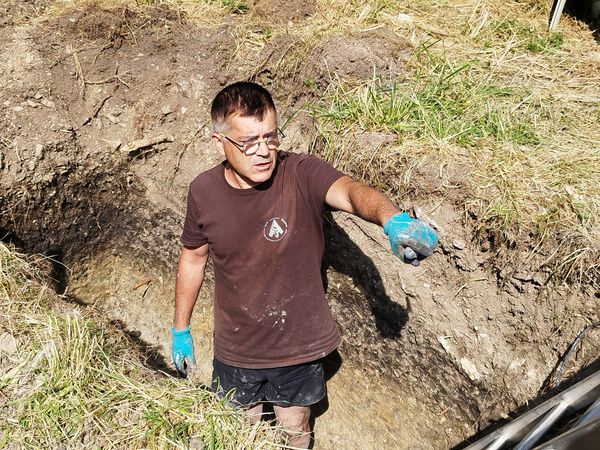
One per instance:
(116, 250)
(111, 224)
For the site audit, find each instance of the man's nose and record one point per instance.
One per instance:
(263, 148)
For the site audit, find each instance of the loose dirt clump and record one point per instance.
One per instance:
(358, 57)
(14, 12)
(282, 12)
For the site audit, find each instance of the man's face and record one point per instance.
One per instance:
(252, 170)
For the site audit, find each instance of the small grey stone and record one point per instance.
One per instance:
(523, 276)
(39, 151)
(196, 444)
(459, 244)
(8, 343)
(47, 103)
(184, 87)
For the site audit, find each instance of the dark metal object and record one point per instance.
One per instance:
(525, 431)
(555, 13)
(567, 355)
(593, 413)
(584, 437)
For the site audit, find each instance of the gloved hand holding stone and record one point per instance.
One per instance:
(410, 237)
(182, 349)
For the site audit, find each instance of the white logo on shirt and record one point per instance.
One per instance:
(275, 229)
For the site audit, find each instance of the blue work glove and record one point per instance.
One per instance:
(410, 238)
(182, 349)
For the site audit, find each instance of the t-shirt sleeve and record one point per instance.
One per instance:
(316, 177)
(192, 235)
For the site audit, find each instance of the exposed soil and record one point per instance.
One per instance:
(282, 12)
(104, 122)
(358, 56)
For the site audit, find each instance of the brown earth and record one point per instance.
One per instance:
(104, 122)
(282, 12)
(358, 56)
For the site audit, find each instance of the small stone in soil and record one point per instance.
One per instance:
(39, 151)
(47, 103)
(523, 276)
(459, 244)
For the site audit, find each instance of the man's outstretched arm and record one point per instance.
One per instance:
(407, 235)
(361, 200)
(190, 275)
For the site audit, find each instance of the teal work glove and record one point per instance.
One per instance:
(182, 350)
(410, 238)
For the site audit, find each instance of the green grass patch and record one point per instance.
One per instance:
(442, 102)
(229, 6)
(233, 6)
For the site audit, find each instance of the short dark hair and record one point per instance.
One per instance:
(243, 98)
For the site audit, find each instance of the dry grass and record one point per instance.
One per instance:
(76, 381)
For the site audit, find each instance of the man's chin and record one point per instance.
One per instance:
(262, 176)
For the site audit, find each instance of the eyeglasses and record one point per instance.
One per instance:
(250, 147)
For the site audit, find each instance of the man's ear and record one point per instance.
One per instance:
(218, 143)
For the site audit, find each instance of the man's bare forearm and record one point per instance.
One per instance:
(190, 275)
(370, 204)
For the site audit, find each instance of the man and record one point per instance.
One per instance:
(259, 216)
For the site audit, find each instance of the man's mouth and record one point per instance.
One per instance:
(263, 165)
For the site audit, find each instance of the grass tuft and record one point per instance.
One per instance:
(521, 37)
(443, 103)
(74, 380)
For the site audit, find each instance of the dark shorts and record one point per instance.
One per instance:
(299, 385)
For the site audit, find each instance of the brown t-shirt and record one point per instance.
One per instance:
(266, 244)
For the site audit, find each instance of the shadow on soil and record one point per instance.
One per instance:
(59, 274)
(151, 356)
(344, 256)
